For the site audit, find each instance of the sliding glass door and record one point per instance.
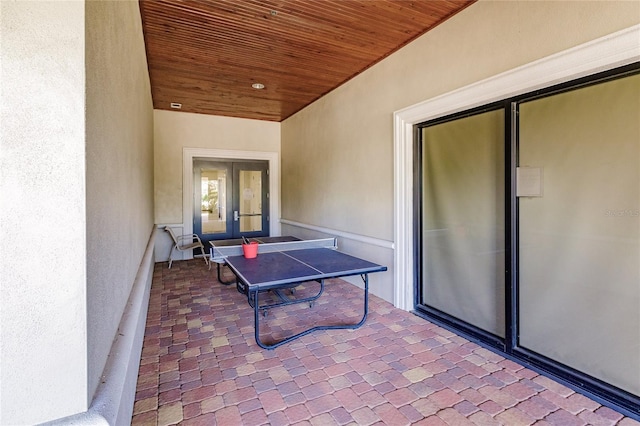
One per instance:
(462, 198)
(579, 239)
(528, 229)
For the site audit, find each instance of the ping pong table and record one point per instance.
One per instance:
(238, 242)
(287, 264)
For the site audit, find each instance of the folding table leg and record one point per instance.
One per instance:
(256, 318)
(220, 276)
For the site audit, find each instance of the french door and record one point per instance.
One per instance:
(231, 199)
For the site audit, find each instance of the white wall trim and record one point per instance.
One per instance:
(347, 235)
(188, 154)
(608, 52)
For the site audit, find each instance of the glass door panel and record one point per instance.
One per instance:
(250, 212)
(212, 189)
(579, 251)
(462, 247)
(251, 199)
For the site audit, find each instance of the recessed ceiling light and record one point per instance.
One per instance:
(176, 105)
(257, 86)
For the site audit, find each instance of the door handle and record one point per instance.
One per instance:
(235, 215)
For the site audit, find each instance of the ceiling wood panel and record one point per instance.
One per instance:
(206, 55)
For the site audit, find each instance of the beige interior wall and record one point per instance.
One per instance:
(337, 154)
(43, 348)
(174, 131)
(119, 162)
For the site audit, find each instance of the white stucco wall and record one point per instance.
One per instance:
(174, 131)
(76, 199)
(43, 353)
(119, 161)
(337, 154)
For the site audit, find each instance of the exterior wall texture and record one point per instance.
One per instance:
(77, 196)
(119, 161)
(43, 343)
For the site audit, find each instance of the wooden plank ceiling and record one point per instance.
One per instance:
(206, 55)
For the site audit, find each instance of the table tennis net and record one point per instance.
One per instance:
(218, 254)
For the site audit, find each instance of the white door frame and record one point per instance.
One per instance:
(188, 154)
(608, 52)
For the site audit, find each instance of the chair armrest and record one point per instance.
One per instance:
(189, 237)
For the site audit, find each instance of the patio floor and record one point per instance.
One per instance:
(200, 365)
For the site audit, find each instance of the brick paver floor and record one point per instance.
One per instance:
(201, 366)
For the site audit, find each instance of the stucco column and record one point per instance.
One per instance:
(42, 215)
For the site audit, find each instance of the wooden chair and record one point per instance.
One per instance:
(185, 243)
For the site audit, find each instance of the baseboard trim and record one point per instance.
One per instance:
(348, 235)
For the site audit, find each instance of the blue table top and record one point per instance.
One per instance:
(277, 269)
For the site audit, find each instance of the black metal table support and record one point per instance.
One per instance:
(220, 265)
(256, 315)
(278, 292)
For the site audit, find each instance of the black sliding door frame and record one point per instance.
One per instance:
(509, 346)
(421, 307)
